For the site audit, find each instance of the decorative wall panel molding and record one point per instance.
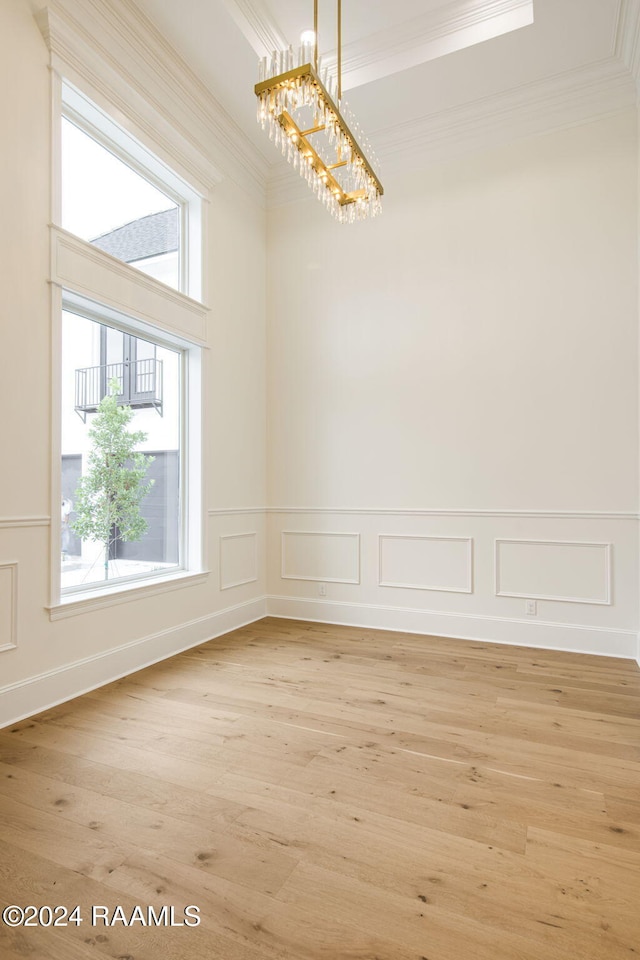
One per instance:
(8, 522)
(564, 570)
(238, 559)
(426, 563)
(319, 555)
(8, 606)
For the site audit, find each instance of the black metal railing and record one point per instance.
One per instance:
(139, 384)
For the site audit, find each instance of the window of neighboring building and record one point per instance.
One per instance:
(130, 361)
(124, 200)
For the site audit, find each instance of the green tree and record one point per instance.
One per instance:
(108, 495)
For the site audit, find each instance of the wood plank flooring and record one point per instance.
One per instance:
(333, 793)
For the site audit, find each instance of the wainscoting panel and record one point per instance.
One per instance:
(238, 559)
(8, 605)
(572, 572)
(426, 563)
(466, 573)
(316, 555)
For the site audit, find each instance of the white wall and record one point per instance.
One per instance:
(465, 366)
(43, 660)
(460, 372)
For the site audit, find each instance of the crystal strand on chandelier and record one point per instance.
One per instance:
(350, 191)
(306, 53)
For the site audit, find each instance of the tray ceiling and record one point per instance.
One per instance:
(423, 71)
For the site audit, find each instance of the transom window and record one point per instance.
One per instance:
(121, 198)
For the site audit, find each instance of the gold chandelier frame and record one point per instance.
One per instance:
(278, 97)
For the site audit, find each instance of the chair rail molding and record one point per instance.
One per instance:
(28, 521)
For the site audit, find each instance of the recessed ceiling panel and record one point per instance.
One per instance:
(380, 39)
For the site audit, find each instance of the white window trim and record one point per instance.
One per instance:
(86, 278)
(192, 560)
(124, 593)
(86, 115)
(76, 55)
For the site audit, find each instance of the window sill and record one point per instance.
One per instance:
(75, 605)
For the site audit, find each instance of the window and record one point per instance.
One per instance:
(116, 209)
(129, 478)
(121, 198)
(93, 549)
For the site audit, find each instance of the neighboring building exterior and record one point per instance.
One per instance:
(150, 244)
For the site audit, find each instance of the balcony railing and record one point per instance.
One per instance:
(139, 385)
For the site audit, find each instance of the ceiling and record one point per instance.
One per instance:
(423, 77)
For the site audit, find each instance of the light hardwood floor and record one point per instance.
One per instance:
(336, 793)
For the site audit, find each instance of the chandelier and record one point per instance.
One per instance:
(301, 106)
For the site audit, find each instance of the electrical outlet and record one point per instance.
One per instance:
(322, 589)
(531, 608)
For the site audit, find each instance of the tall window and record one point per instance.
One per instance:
(130, 418)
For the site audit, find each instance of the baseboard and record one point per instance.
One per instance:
(43, 691)
(545, 635)
(28, 697)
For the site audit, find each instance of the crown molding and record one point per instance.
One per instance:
(438, 32)
(627, 38)
(257, 25)
(116, 49)
(534, 109)
(434, 34)
(576, 96)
